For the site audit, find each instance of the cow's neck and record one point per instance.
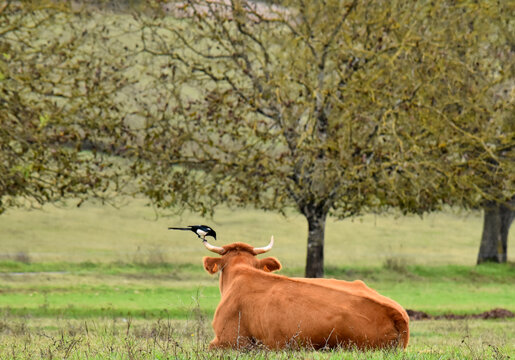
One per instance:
(228, 275)
(225, 280)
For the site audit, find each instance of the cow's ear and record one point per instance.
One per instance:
(269, 264)
(211, 264)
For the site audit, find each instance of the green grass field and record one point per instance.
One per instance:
(127, 338)
(89, 290)
(97, 282)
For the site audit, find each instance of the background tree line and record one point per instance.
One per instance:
(332, 108)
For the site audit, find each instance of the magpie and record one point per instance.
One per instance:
(201, 230)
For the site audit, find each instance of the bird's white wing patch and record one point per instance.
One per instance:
(201, 232)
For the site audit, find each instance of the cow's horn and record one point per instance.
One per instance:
(215, 249)
(262, 250)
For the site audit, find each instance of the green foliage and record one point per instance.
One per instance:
(53, 108)
(342, 107)
(335, 106)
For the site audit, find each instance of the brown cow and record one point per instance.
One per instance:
(258, 307)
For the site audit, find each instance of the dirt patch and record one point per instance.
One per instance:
(492, 314)
(418, 315)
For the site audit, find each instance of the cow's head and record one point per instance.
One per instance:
(240, 253)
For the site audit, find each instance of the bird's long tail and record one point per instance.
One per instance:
(178, 228)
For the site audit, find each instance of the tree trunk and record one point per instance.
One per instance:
(496, 225)
(315, 254)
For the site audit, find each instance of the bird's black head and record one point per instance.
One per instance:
(210, 232)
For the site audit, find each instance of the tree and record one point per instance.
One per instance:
(333, 107)
(498, 216)
(494, 240)
(50, 107)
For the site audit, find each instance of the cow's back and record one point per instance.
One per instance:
(394, 310)
(277, 311)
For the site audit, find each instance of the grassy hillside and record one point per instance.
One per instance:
(134, 233)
